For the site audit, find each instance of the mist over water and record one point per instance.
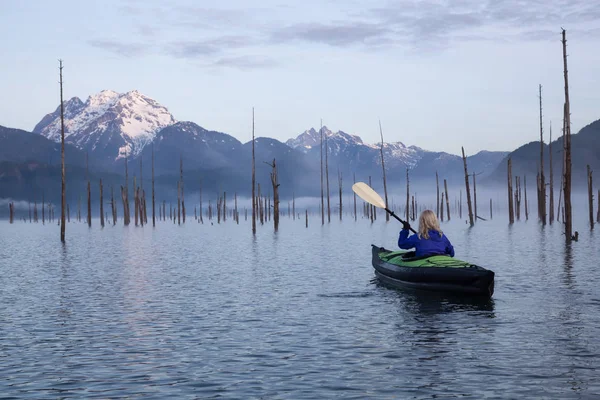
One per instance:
(207, 310)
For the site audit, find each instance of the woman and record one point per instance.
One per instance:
(429, 241)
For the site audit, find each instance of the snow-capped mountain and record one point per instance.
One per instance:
(352, 148)
(312, 138)
(110, 124)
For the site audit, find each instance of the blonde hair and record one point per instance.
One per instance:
(427, 222)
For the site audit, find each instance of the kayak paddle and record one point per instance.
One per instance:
(367, 193)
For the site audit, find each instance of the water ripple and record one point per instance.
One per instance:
(209, 312)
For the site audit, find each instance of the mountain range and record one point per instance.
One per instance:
(110, 129)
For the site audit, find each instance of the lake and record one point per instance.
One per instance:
(209, 311)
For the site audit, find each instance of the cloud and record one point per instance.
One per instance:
(245, 62)
(228, 35)
(208, 47)
(121, 48)
(429, 22)
(340, 34)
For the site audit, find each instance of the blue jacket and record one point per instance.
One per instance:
(436, 244)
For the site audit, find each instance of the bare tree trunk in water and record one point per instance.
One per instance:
(551, 206)
(322, 198)
(101, 205)
(511, 214)
(590, 196)
(567, 153)
(437, 199)
(327, 179)
(467, 187)
(63, 196)
(253, 180)
(355, 216)
(153, 213)
(387, 216)
(447, 200)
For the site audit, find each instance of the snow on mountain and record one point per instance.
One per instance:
(342, 142)
(119, 124)
(312, 138)
(398, 152)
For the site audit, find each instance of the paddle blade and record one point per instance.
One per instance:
(366, 193)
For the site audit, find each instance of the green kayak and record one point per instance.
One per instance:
(436, 273)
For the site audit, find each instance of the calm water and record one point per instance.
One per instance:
(207, 311)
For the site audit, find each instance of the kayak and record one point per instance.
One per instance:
(436, 273)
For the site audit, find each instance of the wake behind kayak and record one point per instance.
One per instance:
(436, 273)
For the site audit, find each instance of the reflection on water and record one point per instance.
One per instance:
(211, 311)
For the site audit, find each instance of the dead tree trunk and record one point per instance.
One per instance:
(136, 199)
(567, 152)
(437, 199)
(551, 206)
(259, 205)
(201, 218)
(236, 215)
(89, 193)
(467, 187)
(11, 212)
(447, 200)
(511, 214)
(322, 198)
(101, 205)
(387, 216)
(407, 197)
(179, 202)
(224, 206)
(355, 216)
(275, 184)
(125, 207)
(153, 213)
(526, 203)
(63, 196)
(219, 205)
(112, 205)
(590, 196)
(340, 191)
(125, 195)
(475, 195)
(598, 200)
(491, 214)
(182, 196)
(294, 205)
(542, 187)
(327, 179)
(142, 207)
(518, 197)
(253, 181)
(441, 205)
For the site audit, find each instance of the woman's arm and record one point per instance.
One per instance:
(405, 242)
(449, 247)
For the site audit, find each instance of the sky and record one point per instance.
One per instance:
(438, 74)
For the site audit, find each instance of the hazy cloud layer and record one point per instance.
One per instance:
(121, 48)
(225, 37)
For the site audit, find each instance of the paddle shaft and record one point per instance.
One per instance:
(398, 218)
